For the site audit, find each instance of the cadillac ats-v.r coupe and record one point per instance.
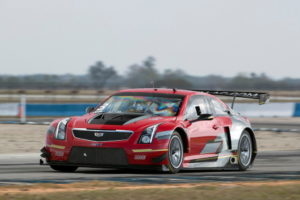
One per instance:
(165, 129)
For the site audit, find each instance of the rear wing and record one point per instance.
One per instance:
(260, 96)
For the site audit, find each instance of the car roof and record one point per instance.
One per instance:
(164, 91)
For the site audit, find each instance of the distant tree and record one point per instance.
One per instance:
(145, 74)
(240, 82)
(174, 79)
(99, 74)
(252, 82)
(253, 75)
(142, 75)
(149, 62)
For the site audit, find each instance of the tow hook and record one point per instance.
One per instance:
(42, 162)
(45, 155)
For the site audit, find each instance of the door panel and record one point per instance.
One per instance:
(202, 133)
(223, 121)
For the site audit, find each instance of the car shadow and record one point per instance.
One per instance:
(145, 171)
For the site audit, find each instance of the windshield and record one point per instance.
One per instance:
(162, 106)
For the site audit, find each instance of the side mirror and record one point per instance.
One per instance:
(228, 112)
(89, 109)
(202, 117)
(198, 110)
(206, 117)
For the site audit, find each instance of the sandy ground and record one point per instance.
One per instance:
(30, 139)
(21, 138)
(101, 186)
(274, 141)
(278, 120)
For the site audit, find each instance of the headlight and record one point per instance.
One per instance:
(60, 132)
(147, 134)
(51, 130)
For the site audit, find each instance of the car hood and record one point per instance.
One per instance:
(117, 121)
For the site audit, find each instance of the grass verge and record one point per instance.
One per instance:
(121, 191)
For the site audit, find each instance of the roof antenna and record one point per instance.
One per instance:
(153, 84)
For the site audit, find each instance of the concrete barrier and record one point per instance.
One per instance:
(53, 110)
(56, 109)
(9, 109)
(267, 110)
(297, 110)
(246, 109)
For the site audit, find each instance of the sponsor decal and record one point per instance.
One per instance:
(59, 153)
(97, 144)
(140, 157)
(56, 146)
(148, 150)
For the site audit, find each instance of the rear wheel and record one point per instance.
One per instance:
(245, 151)
(175, 153)
(63, 168)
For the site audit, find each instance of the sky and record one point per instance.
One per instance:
(222, 37)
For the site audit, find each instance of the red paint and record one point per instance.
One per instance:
(198, 133)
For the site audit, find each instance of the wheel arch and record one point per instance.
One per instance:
(184, 138)
(253, 139)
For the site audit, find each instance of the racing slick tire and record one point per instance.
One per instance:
(64, 168)
(245, 151)
(175, 153)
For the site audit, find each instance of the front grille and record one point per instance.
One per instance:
(98, 156)
(101, 135)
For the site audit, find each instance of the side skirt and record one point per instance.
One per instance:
(223, 160)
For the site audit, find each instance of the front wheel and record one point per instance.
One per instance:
(245, 151)
(64, 168)
(175, 153)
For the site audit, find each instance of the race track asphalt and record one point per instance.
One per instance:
(269, 166)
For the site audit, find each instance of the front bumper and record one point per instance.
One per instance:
(105, 156)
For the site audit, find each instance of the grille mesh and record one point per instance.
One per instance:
(101, 135)
(98, 156)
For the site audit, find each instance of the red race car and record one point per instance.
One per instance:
(166, 129)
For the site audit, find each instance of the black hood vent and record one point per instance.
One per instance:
(114, 118)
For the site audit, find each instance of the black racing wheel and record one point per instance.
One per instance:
(175, 153)
(245, 151)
